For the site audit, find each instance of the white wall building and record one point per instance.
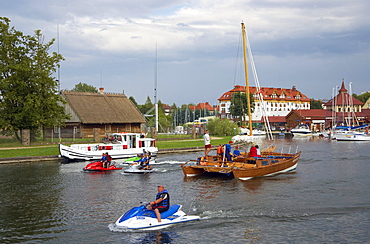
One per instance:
(278, 101)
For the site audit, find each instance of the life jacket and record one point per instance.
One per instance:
(165, 203)
(253, 152)
(109, 158)
(220, 150)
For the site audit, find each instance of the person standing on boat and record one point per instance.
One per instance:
(220, 152)
(161, 203)
(207, 143)
(228, 151)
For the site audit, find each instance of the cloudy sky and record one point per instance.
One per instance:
(309, 44)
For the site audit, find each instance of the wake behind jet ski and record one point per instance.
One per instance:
(140, 166)
(136, 168)
(140, 218)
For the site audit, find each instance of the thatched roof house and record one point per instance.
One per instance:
(102, 112)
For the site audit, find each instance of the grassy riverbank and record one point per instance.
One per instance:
(10, 148)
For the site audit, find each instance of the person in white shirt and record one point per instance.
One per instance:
(207, 143)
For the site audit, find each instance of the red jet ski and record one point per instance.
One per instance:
(98, 166)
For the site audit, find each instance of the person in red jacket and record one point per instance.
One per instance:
(253, 152)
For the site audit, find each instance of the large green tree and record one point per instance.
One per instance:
(315, 104)
(83, 87)
(239, 106)
(29, 96)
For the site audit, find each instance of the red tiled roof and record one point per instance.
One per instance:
(316, 113)
(267, 92)
(364, 113)
(343, 99)
(202, 106)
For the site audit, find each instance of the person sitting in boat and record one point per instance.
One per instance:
(254, 152)
(161, 203)
(236, 152)
(258, 151)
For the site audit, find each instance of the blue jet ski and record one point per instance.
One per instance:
(140, 218)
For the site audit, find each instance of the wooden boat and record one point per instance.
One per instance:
(117, 145)
(244, 167)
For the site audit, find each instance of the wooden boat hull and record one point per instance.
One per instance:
(268, 167)
(244, 168)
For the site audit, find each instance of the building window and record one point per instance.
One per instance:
(128, 127)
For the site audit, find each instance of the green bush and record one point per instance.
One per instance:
(222, 127)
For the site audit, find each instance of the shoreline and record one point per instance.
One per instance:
(29, 159)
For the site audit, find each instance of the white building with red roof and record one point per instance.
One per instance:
(277, 101)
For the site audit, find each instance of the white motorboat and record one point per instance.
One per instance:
(352, 133)
(301, 130)
(352, 136)
(117, 145)
(140, 218)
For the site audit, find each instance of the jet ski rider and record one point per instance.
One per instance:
(161, 204)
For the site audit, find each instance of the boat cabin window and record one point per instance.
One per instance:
(264, 163)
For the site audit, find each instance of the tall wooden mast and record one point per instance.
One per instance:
(247, 92)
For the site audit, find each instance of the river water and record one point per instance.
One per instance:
(327, 200)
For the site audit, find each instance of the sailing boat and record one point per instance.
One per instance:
(252, 135)
(244, 167)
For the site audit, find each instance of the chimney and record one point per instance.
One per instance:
(101, 90)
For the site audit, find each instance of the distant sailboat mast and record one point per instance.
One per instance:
(155, 89)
